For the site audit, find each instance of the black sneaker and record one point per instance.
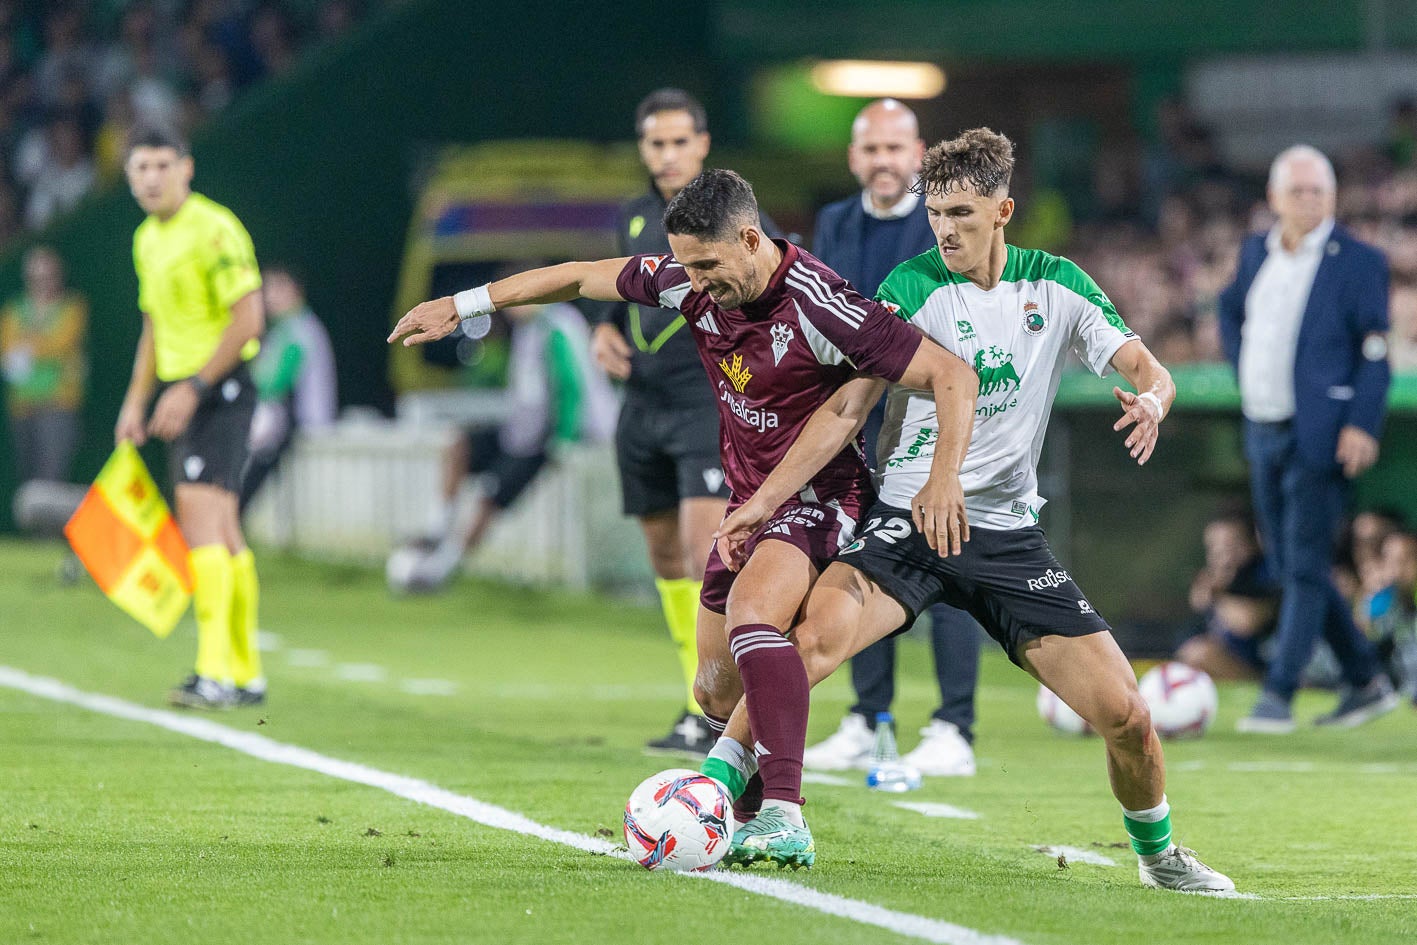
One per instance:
(199, 692)
(245, 697)
(1362, 705)
(690, 735)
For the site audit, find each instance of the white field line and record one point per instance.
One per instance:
(1300, 767)
(361, 672)
(932, 809)
(1078, 855)
(831, 780)
(307, 658)
(429, 687)
(423, 792)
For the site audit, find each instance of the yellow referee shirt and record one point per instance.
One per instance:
(191, 269)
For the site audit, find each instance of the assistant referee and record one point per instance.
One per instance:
(199, 293)
(667, 440)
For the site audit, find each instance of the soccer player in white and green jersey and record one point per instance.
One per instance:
(1014, 314)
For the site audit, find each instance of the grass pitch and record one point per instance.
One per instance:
(115, 831)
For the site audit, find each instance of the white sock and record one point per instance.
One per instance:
(1152, 814)
(793, 812)
(731, 752)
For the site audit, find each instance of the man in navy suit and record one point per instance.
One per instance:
(1305, 325)
(863, 238)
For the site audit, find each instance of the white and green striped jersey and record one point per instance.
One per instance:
(1016, 335)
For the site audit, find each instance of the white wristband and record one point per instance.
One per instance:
(473, 302)
(1154, 401)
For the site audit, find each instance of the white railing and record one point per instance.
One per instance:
(355, 492)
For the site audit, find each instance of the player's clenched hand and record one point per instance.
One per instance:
(938, 512)
(426, 322)
(1145, 412)
(611, 351)
(735, 530)
(130, 426)
(173, 411)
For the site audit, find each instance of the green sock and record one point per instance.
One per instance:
(725, 774)
(1149, 837)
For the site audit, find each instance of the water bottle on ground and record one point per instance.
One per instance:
(887, 771)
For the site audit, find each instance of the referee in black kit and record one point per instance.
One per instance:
(667, 440)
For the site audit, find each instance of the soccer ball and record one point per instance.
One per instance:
(678, 820)
(1182, 699)
(1058, 714)
(401, 567)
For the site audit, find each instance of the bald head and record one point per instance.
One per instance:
(885, 150)
(885, 113)
(1302, 191)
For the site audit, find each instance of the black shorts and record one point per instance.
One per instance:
(214, 447)
(666, 455)
(1007, 579)
(509, 475)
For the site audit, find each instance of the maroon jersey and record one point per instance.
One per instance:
(778, 358)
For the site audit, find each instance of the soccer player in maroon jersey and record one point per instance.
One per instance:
(778, 333)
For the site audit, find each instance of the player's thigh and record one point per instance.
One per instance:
(771, 587)
(1089, 673)
(846, 612)
(699, 518)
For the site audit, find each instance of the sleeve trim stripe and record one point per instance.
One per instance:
(822, 349)
(673, 296)
(810, 277)
(817, 295)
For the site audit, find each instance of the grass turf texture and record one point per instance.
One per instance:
(116, 831)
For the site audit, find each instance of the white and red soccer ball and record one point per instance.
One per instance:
(678, 820)
(1182, 700)
(1058, 714)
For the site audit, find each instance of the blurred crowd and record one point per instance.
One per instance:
(1235, 598)
(75, 77)
(1165, 228)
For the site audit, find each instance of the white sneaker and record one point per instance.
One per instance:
(943, 752)
(1178, 868)
(846, 748)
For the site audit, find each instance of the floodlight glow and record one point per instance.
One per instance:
(865, 78)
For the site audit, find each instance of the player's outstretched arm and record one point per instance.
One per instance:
(825, 434)
(1152, 402)
(436, 319)
(938, 508)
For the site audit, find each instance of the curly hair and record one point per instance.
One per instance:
(712, 207)
(981, 158)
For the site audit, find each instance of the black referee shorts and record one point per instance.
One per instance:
(1007, 579)
(666, 455)
(214, 447)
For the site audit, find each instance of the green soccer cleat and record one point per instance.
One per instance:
(772, 837)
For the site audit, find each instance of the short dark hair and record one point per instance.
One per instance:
(670, 100)
(981, 157)
(712, 207)
(157, 136)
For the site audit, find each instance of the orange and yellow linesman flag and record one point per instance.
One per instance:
(129, 542)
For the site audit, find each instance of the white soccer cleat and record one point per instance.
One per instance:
(942, 752)
(846, 748)
(1181, 870)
